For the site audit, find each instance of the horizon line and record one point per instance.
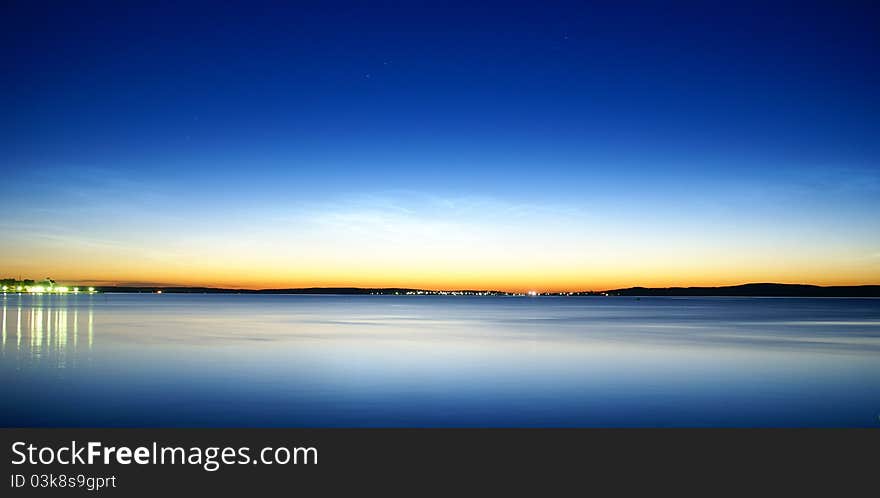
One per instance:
(170, 286)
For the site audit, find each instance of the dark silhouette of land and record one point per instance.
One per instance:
(753, 290)
(756, 290)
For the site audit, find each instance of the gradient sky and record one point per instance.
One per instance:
(507, 146)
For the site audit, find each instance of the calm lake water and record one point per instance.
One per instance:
(425, 361)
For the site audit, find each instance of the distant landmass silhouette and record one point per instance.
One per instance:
(756, 290)
(745, 290)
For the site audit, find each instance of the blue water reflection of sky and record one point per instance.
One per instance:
(246, 360)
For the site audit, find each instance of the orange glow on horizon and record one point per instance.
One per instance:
(549, 252)
(512, 283)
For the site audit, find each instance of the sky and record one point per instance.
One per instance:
(512, 146)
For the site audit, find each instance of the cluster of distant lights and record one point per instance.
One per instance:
(42, 289)
(530, 293)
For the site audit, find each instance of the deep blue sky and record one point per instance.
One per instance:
(644, 107)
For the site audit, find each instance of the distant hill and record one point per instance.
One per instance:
(768, 290)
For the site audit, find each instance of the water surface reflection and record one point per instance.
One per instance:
(248, 360)
(44, 329)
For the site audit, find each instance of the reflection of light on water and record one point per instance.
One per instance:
(61, 328)
(45, 324)
(48, 329)
(61, 333)
(36, 330)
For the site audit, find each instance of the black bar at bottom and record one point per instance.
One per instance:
(455, 461)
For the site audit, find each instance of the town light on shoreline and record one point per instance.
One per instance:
(45, 289)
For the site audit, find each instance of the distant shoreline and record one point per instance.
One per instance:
(745, 290)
